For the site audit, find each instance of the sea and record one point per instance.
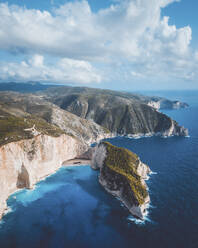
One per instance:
(70, 209)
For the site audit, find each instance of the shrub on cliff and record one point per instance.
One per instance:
(125, 163)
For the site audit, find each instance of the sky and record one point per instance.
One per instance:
(116, 44)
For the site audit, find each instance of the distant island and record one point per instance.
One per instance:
(43, 127)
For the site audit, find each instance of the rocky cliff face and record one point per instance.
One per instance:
(24, 163)
(122, 174)
(121, 113)
(124, 118)
(161, 103)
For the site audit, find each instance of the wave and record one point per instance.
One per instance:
(7, 211)
(139, 221)
(146, 216)
(150, 174)
(153, 173)
(139, 136)
(152, 206)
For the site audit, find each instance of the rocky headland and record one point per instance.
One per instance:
(122, 174)
(121, 113)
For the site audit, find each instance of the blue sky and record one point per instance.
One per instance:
(47, 4)
(184, 13)
(126, 45)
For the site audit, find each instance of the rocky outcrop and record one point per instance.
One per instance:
(122, 174)
(86, 131)
(24, 163)
(175, 130)
(162, 103)
(172, 129)
(153, 104)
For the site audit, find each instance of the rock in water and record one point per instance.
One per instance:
(122, 174)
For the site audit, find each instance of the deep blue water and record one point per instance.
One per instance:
(70, 209)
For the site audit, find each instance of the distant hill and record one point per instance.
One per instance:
(28, 87)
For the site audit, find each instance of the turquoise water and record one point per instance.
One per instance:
(70, 208)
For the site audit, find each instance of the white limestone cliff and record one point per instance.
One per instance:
(24, 163)
(155, 105)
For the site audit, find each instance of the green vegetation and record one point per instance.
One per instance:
(124, 162)
(12, 128)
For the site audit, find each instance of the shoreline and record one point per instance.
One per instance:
(147, 135)
(71, 162)
(81, 162)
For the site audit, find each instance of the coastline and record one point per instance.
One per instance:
(83, 162)
(80, 162)
(74, 161)
(165, 134)
(27, 162)
(67, 163)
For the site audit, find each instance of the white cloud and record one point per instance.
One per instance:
(130, 37)
(37, 60)
(64, 71)
(136, 74)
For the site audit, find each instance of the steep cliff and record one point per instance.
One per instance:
(121, 113)
(122, 174)
(23, 163)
